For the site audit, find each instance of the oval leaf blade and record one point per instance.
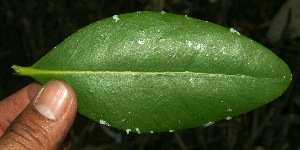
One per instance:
(153, 72)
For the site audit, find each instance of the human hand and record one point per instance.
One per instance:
(37, 117)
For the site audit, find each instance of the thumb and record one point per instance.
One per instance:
(46, 120)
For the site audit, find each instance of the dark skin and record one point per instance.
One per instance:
(23, 126)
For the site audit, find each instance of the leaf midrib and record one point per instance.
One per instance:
(28, 71)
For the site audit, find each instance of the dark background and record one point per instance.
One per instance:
(29, 29)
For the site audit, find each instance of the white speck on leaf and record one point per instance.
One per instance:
(151, 132)
(162, 12)
(189, 43)
(104, 122)
(141, 42)
(234, 31)
(229, 110)
(171, 130)
(228, 118)
(200, 47)
(224, 52)
(138, 130)
(116, 18)
(208, 124)
(127, 131)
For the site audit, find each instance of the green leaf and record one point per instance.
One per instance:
(154, 72)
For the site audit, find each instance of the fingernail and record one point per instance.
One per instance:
(52, 100)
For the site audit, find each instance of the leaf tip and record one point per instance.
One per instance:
(22, 71)
(16, 70)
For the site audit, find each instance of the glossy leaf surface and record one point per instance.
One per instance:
(155, 71)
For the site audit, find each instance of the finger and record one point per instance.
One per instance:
(13, 105)
(45, 121)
